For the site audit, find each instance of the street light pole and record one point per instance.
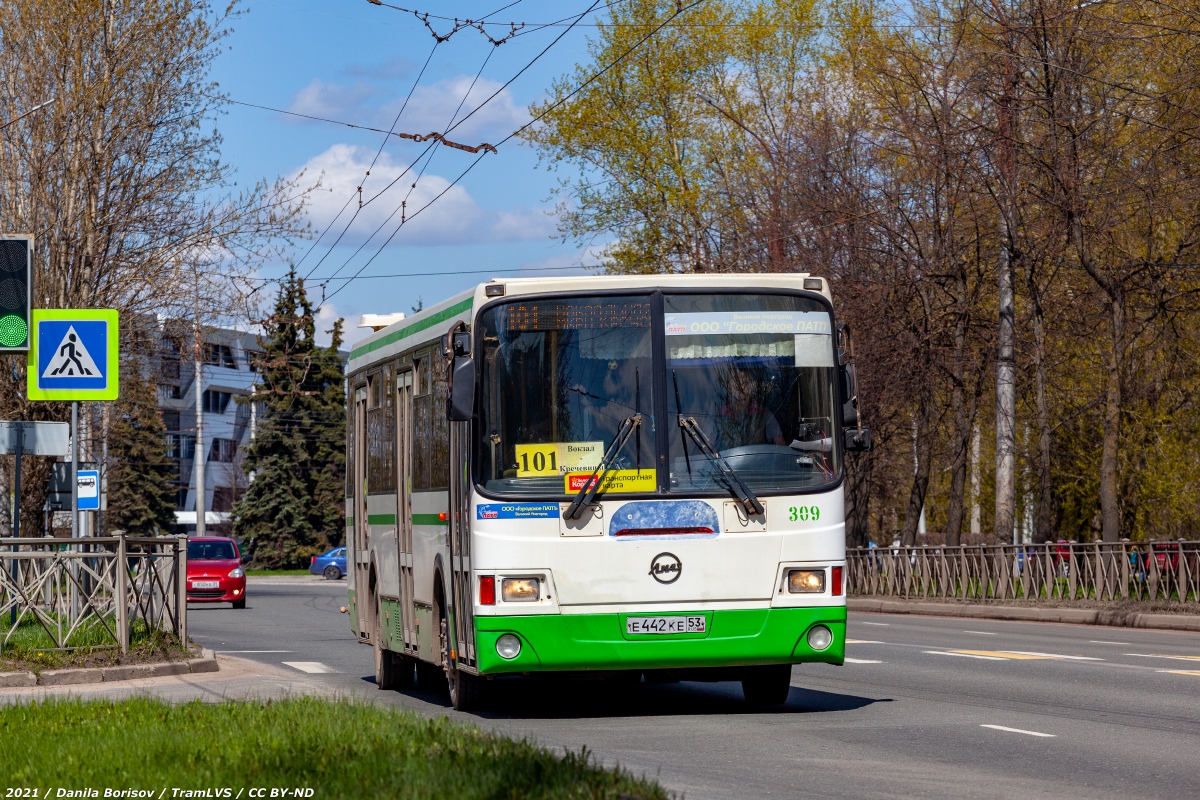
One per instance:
(27, 113)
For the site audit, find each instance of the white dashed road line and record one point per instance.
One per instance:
(863, 641)
(861, 661)
(1051, 655)
(1018, 730)
(1098, 641)
(880, 624)
(311, 667)
(981, 633)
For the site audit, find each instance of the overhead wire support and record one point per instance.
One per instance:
(458, 25)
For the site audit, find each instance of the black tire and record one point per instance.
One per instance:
(466, 691)
(332, 573)
(388, 669)
(767, 686)
(239, 603)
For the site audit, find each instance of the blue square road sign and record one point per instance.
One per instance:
(73, 355)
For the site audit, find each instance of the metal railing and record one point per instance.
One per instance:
(1155, 571)
(93, 592)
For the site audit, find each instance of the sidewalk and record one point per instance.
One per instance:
(238, 679)
(1073, 616)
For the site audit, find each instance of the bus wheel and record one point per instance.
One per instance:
(767, 686)
(392, 671)
(466, 691)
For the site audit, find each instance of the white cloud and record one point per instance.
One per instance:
(331, 100)
(431, 108)
(580, 262)
(327, 314)
(455, 217)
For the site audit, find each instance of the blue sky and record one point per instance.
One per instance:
(356, 62)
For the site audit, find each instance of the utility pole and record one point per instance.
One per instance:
(199, 454)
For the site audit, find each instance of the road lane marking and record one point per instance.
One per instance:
(1018, 730)
(1098, 641)
(964, 654)
(227, 652)
(1194, 672)
(1051, 655)
(1158, 655)
(311, 667)
(864, 661)
(881, 624)
(1003, 655)
(981, 633)
(863, 641)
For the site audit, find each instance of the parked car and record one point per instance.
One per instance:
(331, 564)
(214, 571)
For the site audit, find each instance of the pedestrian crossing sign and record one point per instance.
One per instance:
(73, 354)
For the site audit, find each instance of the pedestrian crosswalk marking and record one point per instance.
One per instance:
(71, 359)
(311, 667)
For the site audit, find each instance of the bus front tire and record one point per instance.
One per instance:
(767, 685)
(466, 691)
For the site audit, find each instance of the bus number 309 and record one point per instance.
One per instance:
(804, 513)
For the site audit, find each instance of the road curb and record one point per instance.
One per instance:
(1073, 616)
(69, 677)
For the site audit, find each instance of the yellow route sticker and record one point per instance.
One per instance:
(615, 480)
(555, 458)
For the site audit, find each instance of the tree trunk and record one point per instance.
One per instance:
(1006, 405)
(1110, 507)
(920, 485)
(962, 432)
(1043, 516)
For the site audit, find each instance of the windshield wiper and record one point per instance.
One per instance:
(628, 426)
(749, 500)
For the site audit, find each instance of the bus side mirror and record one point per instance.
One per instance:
(461, 407)
(858, 440)
(849, 377)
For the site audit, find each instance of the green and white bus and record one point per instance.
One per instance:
(608, 475)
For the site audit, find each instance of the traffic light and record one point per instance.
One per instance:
(16, 288)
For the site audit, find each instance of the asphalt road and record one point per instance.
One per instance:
(930, 707)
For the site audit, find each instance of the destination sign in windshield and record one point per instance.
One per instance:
(727, 323)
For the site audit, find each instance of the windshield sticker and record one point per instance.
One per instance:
(516, 511)
(615, 480)
(662, 519)
(555, 458)
(725, 323)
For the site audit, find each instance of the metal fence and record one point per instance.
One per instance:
(93, 592)
(1156, 571)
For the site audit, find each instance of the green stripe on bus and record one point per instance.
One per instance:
(409, 330)
(428, 519)
(381, 519)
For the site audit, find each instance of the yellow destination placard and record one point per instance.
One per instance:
(557, 458)
(615, 480)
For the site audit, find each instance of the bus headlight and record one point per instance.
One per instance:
(819, 637)
(519, 590)
(508, 646)
(806, 581)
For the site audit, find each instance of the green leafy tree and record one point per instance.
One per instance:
(293, 507)
(141, 496)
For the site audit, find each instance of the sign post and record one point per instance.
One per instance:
(73, 355)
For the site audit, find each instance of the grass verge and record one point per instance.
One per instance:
(31, 648)
(337, 748)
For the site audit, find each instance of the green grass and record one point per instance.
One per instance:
(260, 573)
(337, 748)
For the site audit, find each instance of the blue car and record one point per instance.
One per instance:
(331, 564)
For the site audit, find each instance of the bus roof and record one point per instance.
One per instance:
(429, 324)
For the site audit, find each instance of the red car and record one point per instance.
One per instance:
(214, 571)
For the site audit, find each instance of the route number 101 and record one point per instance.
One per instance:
(804, 513)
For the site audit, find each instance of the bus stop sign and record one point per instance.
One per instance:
(73, 354)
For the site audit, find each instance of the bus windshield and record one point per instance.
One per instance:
(750, 376)
(755, 374)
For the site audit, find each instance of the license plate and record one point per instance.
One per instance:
(206, 584)
(677, 624)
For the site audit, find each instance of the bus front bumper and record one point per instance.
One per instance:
(734, 638)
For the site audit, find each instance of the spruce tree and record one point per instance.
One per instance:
(141, 495)
(293, 507)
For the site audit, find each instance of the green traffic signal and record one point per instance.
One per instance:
(16, 267)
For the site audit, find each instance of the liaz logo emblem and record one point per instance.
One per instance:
(666, 567)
